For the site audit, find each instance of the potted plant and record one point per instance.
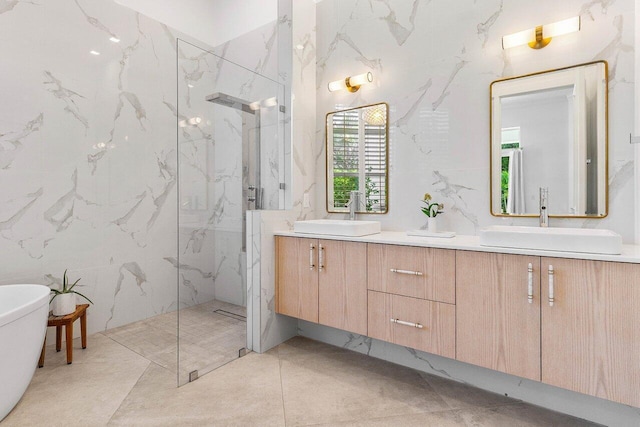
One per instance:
(63, 301)
(431, 210)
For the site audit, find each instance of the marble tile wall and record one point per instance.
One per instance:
(88, 161)
(433, 63)
(297, 34)
(88, 157)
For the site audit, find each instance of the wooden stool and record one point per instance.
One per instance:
(67, 322)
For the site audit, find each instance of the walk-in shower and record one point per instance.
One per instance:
(229, 155)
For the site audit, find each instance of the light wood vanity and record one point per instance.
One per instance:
(562, 320)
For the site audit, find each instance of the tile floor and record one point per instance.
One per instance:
(210, 336)
(300, 382)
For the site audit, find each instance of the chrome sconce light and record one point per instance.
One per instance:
(352, 84)
(540, 36)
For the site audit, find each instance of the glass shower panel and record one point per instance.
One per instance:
(229, 147)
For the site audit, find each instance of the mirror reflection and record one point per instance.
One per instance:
(549, 130)
(357, 159)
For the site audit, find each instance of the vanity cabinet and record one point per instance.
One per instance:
(322, 281)
(425, 273)
(591, 327)
(411, 322)
(498, 312)
(297, 278)
(570, 323)
(412, 296)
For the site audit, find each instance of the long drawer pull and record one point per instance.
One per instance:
(530, 284)
(402, 322)
(320, 257)
(412, 273)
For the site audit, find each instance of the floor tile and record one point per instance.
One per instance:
(244, 392)
(460, 395)
(302, 382)
(208, 338)
(87, 392)
(514, 415)
(520, 415)
(326, 387)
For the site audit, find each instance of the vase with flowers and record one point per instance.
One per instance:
(431, 209)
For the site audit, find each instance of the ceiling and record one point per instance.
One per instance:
(211, 21)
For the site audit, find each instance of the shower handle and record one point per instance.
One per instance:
(256, 197)
(251, 198)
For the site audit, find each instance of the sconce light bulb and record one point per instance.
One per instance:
(336, 85)
(518, 39)
(361, 79)
(541, 35)
(561, 28)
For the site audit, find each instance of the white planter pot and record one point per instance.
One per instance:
(64, 304)
(432, 225)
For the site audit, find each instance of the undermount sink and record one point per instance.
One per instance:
(335, 227)
(553, 239)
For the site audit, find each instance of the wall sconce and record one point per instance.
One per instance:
(540, 36)
(352, 84)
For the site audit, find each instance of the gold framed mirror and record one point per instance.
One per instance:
(550, 130)
(357, 158)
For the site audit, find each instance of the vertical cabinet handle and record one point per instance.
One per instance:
(551, 298)
(311, 257)
(530, 284)
(320, 258)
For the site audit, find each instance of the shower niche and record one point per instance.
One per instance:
(231, 160)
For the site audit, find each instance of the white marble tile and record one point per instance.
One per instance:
(88, 144)
(433, 63)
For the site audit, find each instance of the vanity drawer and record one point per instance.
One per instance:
(425, 273)
(397, 319)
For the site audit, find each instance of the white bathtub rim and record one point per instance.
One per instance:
(39, 298)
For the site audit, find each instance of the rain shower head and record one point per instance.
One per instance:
(232, 102)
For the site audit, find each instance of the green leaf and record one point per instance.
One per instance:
(78, 293)
(64, 280)
(74, 283)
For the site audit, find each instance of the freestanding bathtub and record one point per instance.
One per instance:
(23, 324)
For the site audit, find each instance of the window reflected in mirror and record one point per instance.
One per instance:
(357, 158)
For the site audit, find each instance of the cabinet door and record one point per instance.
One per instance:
(416, 323)
(497, 327)
(425, 273)
(297, 277)
(343, 285)
(591, 333)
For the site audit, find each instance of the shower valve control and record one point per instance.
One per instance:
(253, 188)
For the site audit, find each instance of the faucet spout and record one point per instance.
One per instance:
(544, 211)
(353, 204)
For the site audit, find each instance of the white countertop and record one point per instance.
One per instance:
(630, 253)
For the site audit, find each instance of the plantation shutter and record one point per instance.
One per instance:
(358, 166)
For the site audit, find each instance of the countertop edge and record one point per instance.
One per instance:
(630, 253)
